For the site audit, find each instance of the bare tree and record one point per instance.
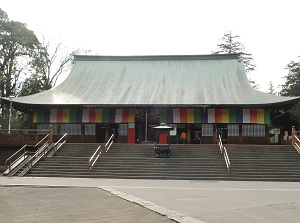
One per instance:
(47, 68)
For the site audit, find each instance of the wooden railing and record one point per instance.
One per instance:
(98, 152)
(225, 154)
(21, 136)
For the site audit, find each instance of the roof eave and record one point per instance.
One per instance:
(289, 104)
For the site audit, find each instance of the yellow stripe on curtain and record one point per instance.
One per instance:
(260, 116)
(225, 115)
(190, 115)
(34, 116)
(131, 115)
(98, 118)
(66, 115)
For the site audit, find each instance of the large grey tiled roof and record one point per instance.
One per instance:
(190, 81)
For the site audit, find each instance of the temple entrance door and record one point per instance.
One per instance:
(100, 133)
(222, 130)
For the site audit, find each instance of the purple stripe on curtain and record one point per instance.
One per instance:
(78, 115)
(204, 116)
(169, 115)
(112, 115)
(239, 115)
(47, 116)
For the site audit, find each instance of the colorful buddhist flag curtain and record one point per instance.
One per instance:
(214, 115)
(87, 115)
(166, 115)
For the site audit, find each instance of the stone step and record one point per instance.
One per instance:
(263, 163)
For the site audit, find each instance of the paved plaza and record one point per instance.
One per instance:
(120, 200)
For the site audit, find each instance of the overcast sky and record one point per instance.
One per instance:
(269, 29)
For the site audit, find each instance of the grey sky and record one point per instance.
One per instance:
(269, 29)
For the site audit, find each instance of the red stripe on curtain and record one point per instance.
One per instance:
(253, 115)
(183, 115)
(92, 115)
(125, 115)
(218, 115)
(60, 114)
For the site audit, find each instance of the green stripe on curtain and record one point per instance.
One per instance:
(197, 115)
(232, 116)
(162, 116)
(72, 115)
(40, 116)
(267, 117)
(105, 115)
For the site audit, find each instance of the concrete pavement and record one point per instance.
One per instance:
(180, 201)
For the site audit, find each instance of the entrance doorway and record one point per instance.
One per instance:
(100, 133)
(222, 130)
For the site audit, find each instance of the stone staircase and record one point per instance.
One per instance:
(187, 162)
(264, 163)
(135, 162)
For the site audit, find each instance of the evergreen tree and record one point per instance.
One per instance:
(18, 45)
(230, 44)
(291, 87)
(271, 89)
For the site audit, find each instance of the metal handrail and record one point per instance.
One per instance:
(297, 143)
(227, 161)
(47, 136)
(225, 154)
(42, 150)
(59, 144)
(93, 159)
(9, 163)
(91, 164)
(108, 144)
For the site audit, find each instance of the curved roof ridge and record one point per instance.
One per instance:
(157, 57)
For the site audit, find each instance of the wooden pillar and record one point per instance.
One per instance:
(240, 134)
(267, 136)
(58, 130)
(50, 134)
(107, 133)
(188, 133)
(82, 133)
(214, 133)
(131, 133)
(293, 135)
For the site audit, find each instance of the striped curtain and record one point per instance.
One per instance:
(71, 129)
(207, 130)
(233, 129)
(87, 115)
(214, 115)
(247, 130)
(259, 130)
